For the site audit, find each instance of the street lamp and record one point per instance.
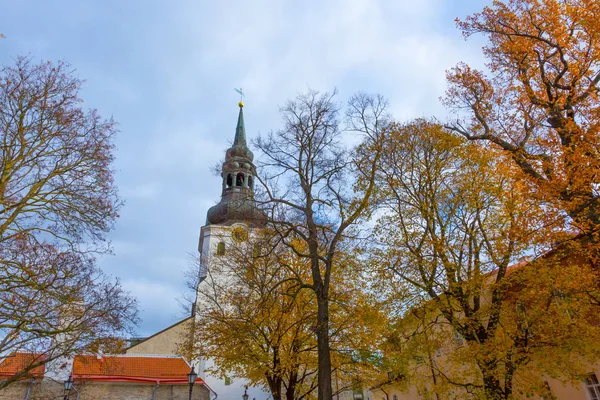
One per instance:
(245, 395)
(68, 387)
(191, 380)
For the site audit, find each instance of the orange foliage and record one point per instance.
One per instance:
(539, 103)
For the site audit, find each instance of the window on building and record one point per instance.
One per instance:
(522, 316)
(521, 309)
(229, 180)
(250, 182)
(256, 250)
(239, 182)
(394, 376)
(548, 395)
(560, 298)
(593, 386)
(395, 397)
(221, 249)
(459, 341)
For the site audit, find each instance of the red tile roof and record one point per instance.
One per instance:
(16, 362)
(131, 368)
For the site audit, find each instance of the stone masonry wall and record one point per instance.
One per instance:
(104, 391)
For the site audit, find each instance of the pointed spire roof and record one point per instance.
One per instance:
(240, 147)
(240, 130)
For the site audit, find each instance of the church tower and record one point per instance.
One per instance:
(236, 215)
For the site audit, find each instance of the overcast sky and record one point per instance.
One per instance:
(165, 70)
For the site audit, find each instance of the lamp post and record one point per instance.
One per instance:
(68, 387)
(245, 395)
(191, 380)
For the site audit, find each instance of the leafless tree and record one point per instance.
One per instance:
(318, 189)
(57, 201)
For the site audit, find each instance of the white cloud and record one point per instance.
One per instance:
(156, 302)
(146, 190)
(166, 70)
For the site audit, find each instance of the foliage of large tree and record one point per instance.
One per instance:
(540, 100)
(311, 182)
(453, 222)
(57, 201)
(254, 320)
(250, 324)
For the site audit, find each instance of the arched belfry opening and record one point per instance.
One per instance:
(229, 180)
(239, 181)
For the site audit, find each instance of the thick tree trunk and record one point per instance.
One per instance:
(275, 380)
(290, 392)
(324, 373)
(275, 387)
(491, 385)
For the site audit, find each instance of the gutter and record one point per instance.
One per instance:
(117, 378)
(136, 379)
(29, 389)
(155, 389)
(211, 390)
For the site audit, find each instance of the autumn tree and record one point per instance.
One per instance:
(539, 99)
(252, 324)
(57, 201)
(255, 322)
(311, 182)
(452, 224)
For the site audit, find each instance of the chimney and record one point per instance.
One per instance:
(61, 367)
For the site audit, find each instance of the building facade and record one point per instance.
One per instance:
(104, 377)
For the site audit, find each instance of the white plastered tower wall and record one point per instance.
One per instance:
(213, 235)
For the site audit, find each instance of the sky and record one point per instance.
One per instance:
(166, 72)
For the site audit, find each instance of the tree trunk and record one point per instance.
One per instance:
(275, 387)
(324, 373)
(275, 380)
(491, 385)
(290, 392)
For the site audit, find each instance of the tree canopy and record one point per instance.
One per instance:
(539, 99)
(57, 202)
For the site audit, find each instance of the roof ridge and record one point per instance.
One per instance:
(133, 355)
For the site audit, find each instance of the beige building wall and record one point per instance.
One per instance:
(132, 391)
(577, 391)
(39, 390)
(104, 391)
(166, 341)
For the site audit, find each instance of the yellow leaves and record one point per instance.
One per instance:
(541, 106)
(254, 320)
(455, 215)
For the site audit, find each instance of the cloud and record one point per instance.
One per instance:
(157, 304)
(147, 190)
(166, 71)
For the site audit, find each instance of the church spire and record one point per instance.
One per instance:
(240, 130)
(240, 150)
(238, 172)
